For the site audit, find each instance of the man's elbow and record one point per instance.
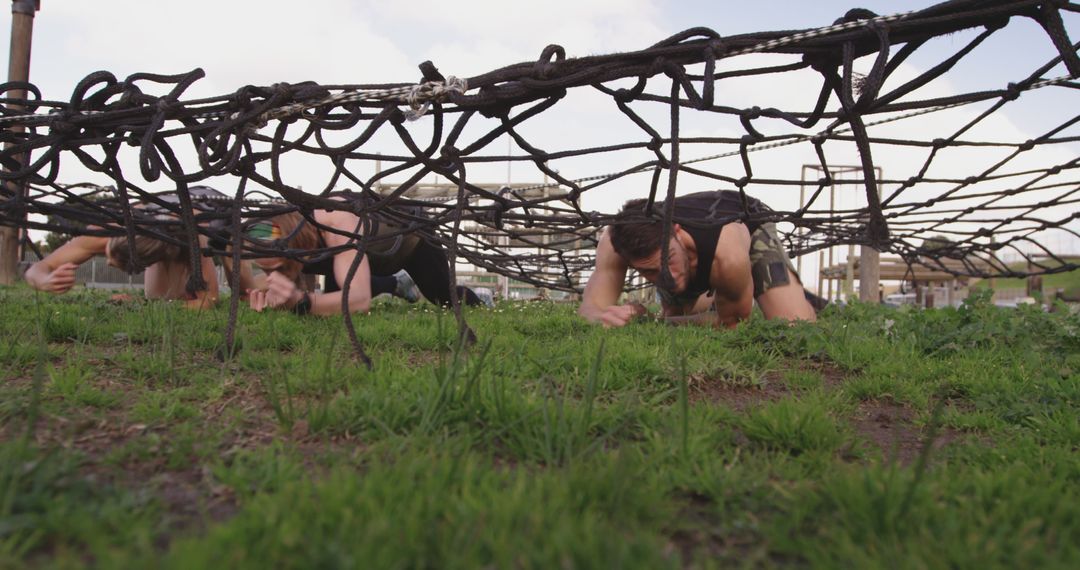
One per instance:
(732, 315)
(744, 311)
(732, 319)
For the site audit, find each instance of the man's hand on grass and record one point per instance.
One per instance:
(621, 315)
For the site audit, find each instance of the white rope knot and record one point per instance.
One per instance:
(253, 126)
(422, 95)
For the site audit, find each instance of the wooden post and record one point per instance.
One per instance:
(821, 273)
(22, 31)
(1034, 283)
(832, 214)
(869, 274)
(849, 274)
(870, 267)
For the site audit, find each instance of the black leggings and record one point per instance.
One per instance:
(429, 267)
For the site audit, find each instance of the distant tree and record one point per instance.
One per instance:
(52, 241)
(56, 239)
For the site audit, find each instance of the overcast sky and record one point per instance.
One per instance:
(262, 42)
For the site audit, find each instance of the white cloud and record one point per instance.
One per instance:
(235, 43)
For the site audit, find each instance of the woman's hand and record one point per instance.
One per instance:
(281, 292)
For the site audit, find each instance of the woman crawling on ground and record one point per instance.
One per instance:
(425, 265)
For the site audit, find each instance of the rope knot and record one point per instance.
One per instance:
(624, 95)
(449, 159)
(166, 107)
(543, 66)
(421, 96)
(451, 152)
(1012, 92)
(252, 126)
(62, 125)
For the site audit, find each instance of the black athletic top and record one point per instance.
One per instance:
(385, 257)
(703, 215)
(323, 266)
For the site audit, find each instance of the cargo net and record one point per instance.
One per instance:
(964, 177)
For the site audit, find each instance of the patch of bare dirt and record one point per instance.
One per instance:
(737, 396)
(740, 395)
(699, 534)
(240, 419)
(832, 376)
(422, 358)
(889, 427)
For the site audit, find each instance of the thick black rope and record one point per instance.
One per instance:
(543, 236)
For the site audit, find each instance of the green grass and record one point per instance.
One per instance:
(872, 438)
(1067, 280)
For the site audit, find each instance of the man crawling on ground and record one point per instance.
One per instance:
(715, 261)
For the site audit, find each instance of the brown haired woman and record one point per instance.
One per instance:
(167, 270)
(423, 261)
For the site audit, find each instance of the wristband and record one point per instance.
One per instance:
(303, 306)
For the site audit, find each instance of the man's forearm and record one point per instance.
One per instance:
(330, 304)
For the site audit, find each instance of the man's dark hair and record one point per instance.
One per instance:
(633, 235)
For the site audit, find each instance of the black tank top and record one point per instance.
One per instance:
(384, 258)
(323, 266)
(703, 215)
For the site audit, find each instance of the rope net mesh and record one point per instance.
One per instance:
(941, 172)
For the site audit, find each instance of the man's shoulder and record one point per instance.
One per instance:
(732, 253)
(733, 242)
(606, 254)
